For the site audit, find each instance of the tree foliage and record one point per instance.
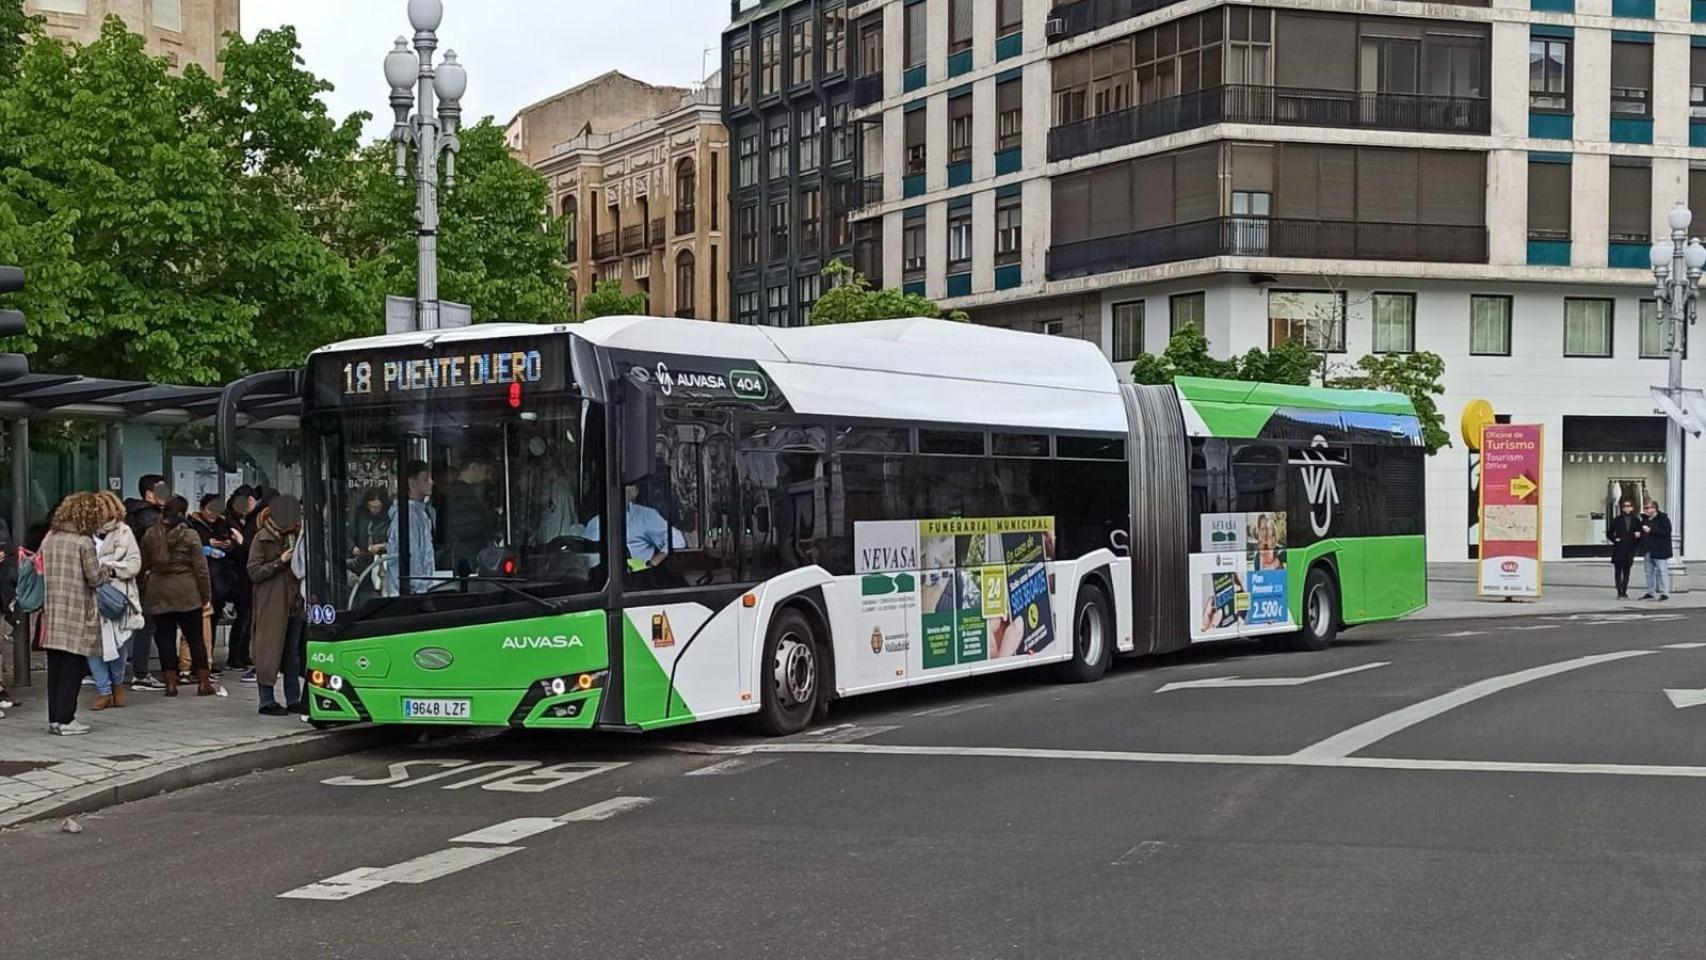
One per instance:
(608, 300)
(1415, 375)
(850, 299)
(15, 28)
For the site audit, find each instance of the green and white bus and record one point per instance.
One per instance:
(633, 523)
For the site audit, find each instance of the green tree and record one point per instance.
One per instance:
(608, 300)
(15, 28)
(850, 299)
(1415, 375)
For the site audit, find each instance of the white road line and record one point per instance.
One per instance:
(1230, 759)
(440, 863)
(849, 732)
(719, 768)
(1139, 854)
(1539, 626)
(1684, 646)
(951, 709)
(1214, 682)
(341, 887)
(1347, 742)
(1462, 633)
(509, 831)
(827, 731)
(604, 809)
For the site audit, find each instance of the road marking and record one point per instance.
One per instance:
(604, 809)
(719, 768)
(509, 831)
(1138, 854)
(951, 709)
(1686, 698)
(848, 732)
(341, 887)
(1462, 633)
(1231, 759)
(1684, 646)
(1268, 681)
(1539, 626)
(1362, 735)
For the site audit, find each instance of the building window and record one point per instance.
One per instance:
(1490, 326)
(1587, 327)
(1697, 84)
(770, 64)
(917, 29)
(917, 152)
(686, 185)
(959, 240)
(1009, 114)
(835, 40)
(1128, 330)
(1630, 213)
(840, 229)
(1548, 201)
(912, 249)
(746, 174)
(1009, 229)
(571, 230)
(776, 306)
(1071, 88)
(1188, 310)
(1394, 323)
(811, 218)
(62, 6)
(684, 284)
(740, 73)
(747, 226)
(871, 49)
(1656, 329)
(169, 14)
(778, 155)
(1313, 318)
(810, 287)
(1052, 328)
(959, 25)
(959, 129)
(811, 138)
(1009, 17)
(840, 134)
(746, 307)
(800, 45)
(779, 230)
(1631, 79)
(1549, 74)
(1249, 50)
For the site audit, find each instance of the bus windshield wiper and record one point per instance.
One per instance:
(553, 607)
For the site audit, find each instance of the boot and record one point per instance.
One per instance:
(203, 684)
(102, 702)
(169, 677)
(118, 694)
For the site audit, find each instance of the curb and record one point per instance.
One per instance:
(208, 768)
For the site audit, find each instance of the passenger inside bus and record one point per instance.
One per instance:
(422, 520)
(469, 520)
(650, 537)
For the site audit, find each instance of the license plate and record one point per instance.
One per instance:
(435, 709)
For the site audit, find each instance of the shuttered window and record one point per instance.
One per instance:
(1196, 184)
(1548, 201)
(1154, 178)
(1697, 189)
(916, 24)
(1253, 167)
(959, 25)
(1386, 185)
(1315, 52)
(1337, 198)
(917, 152)
(1454, 188)
(1631, 214)
(1631, 79)
(1110, 201)
(1071, 215)
(1299, 177)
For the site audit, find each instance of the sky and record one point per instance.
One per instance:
(516, 51)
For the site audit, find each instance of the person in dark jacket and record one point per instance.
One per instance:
(142, 512)
(8, 596)
(239, 516)
(277, 606)
(177, 593)
(1621, 531)
(470, 521)
(1655, 545)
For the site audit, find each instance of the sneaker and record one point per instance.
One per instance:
(1664, 598)
(146, 682)
(249, 675)
(88, 681)
(274, 710)
(72, 729)
(1648, 597)
(2, 714)
(6, 702)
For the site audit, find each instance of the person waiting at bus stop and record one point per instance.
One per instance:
(650, 537)
(1655, 543)
(277, 610)
(1624, 532)
(417, 478)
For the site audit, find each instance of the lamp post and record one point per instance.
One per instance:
(1677, 264)
(414, 81)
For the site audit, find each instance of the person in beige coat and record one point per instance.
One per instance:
(176, 592)
(71, 622)
(120, 557)
(277, 606)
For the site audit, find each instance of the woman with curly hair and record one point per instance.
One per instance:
(71, 620)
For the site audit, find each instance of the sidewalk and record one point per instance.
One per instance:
(1567, 588)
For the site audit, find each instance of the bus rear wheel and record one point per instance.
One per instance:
(1092, 638)
(792, 674)
(1320, 612)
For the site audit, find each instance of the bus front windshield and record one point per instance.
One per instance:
(444, 506)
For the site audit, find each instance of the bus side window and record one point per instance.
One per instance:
(691, 487)
(1211, 483)
(784, 496)
(1258, 473)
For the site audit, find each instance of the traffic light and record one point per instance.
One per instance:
(12, 365)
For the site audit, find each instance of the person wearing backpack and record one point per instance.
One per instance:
(71, 619)
(119, 602)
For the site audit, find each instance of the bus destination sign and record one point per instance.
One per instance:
(451, 372)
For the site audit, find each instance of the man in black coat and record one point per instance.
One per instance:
(1623, 532)
(1655, 544)
(142, 512)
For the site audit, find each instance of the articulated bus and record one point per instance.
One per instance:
(633, 523)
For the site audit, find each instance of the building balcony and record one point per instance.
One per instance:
(1068, 20)
(684, 221)
(867, 90)
(656, 236)
(1260, 237)
(634, 238)
(604, 246)
(867, 192)
(1286, 106)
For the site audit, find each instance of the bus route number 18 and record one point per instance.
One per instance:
(358, 377)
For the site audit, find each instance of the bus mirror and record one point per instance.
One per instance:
(274, 383)
(639, 431)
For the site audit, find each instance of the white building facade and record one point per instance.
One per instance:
(1481, 182)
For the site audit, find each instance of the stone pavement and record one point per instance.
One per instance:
(1567, 588)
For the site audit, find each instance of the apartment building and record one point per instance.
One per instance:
(1480, 181)
(182, 31)
(640, 177)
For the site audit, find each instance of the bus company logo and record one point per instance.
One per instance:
(1319, 485)
(557, 642)
(689, 380)
(433, 658)
(877, 640)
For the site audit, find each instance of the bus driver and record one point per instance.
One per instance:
(650, 537)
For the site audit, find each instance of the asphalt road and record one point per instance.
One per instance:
(1505, 789)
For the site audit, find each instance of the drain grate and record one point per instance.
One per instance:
(11, 768)
(127, 757)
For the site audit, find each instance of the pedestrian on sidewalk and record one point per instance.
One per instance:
(277, 606)
(142, 514)
(1655, 544)
(177, 593)
(1624, 533)
(71, 621)
(8, 599)
(238, 509)
(120, 557)
(217, 542)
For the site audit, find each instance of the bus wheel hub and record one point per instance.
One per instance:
(796, 670)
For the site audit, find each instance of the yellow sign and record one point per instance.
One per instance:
(1478, 414)
(1522, 487)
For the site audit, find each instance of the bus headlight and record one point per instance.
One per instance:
(558, 687)
(335, 682)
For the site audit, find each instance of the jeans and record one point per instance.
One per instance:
(289, 668)
(1658, 577)
(107, 673)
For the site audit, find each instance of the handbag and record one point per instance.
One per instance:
(32, 592)
(112, 602)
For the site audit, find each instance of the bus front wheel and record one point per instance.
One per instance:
(1320, 612)
(792, 675)
(1092, 638)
